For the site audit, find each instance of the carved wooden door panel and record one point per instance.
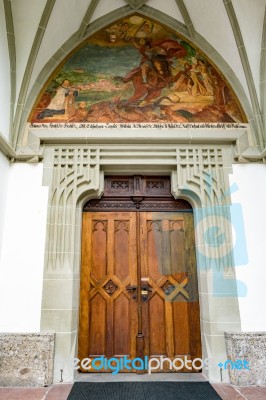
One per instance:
(170, 307)
(139, 291)
(108, 314)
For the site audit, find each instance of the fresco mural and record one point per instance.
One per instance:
(137, 71)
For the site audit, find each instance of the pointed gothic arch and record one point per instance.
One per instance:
(107, 20)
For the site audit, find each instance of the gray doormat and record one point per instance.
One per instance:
(143, 391)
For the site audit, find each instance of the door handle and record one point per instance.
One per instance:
(145, 292)
(146, 288)
(131, 288)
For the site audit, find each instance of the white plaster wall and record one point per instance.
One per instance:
(4, 75)
(4, 174)
(22, 258)
(251, 194)
(168, 7)
(106, 6)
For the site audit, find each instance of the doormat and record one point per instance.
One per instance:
(143, 391)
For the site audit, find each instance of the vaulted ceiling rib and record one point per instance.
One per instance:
(26, 16)
(263, 72)
(87, 18)
(12, 59)
(136, 4)
(30, 65)
(246, 66)
(189, 24)
(248, 15)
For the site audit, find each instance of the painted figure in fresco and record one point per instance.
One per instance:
(153, 58)
(154, 72)
(81, 113)
(183, 81)
(205, 77)
(144, 31)
(123, 31)
(57, 106)
(197, 88)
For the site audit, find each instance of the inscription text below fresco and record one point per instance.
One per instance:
(137, 71)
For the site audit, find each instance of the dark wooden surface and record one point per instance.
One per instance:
(144, 193)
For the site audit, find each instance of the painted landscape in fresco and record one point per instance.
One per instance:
(137, 71)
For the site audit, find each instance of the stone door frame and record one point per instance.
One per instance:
(75, 173)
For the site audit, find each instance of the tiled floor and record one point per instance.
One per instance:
(228, 392)
(61, 391)
(56, 392)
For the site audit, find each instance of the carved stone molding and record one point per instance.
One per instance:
(202, 173)
(136, 4)
(70, 172)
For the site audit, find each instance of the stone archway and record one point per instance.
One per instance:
(75, 174)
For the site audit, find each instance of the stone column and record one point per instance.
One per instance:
(73, 174)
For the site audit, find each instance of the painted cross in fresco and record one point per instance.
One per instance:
(137, 71)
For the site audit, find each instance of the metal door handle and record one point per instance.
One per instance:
(131, 288)
(146, 288)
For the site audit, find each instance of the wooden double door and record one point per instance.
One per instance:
(139, 293)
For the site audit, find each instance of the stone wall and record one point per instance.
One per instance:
(26, 359)
(249, 346)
